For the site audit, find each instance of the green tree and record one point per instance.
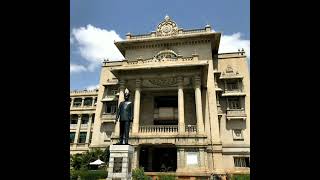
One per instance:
(76, 161)
(82, 161)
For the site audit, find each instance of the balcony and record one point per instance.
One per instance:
(236, 114)
(233, 92)
(159, 130)
(108, 118)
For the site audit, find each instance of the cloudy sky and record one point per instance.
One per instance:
(96, 24)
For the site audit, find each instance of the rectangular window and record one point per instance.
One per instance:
(234, 103)
(74, 121)
(72, 135)
(241, 162)
(110, 107)
(85, 119)
(87, 102)
(77, 102)
(232, 85)
(82, 137)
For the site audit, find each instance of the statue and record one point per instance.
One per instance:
(125, 117)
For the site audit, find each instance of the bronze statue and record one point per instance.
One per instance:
(126, 117)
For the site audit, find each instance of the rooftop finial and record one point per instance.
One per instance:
(166, 17)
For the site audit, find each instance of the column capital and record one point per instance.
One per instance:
(197, 81)
(79, 115)
(83, 98)
(138, 83)
(122, 83)
(180, 81)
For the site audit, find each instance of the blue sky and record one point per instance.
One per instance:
(95, 24)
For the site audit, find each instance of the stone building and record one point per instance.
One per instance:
(191, 104)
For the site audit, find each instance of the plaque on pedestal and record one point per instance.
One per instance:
(120, 162)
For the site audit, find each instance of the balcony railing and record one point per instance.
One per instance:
(73, 126)
(108, 116)
(165, 129)
(236, 113)
(232, 90)
(84, 126)
(191, 128)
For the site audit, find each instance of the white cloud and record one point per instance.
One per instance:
(75, 68)
(71, 40)
(95, 45)
(92, 87)
(231, 43)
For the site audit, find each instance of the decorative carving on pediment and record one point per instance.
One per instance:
(229, 69)
(167, 82)
(168, 54)
(167, 27)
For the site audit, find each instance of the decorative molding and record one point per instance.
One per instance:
(164, 82)
(168, 53)
(167, 27)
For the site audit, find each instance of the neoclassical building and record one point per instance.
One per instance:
(191, 104)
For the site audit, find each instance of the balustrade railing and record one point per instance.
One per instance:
(73, 126)
(191, 128)
(236, 112)
(84, 126)
(158, 129)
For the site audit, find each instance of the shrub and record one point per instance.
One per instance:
(241, 177)
(138, 174)
(89, 175)
(167, 177)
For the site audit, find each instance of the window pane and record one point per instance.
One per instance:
(82, 137)
(72, 136)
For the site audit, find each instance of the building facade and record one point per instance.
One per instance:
(191, 104)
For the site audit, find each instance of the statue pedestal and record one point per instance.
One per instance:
(120, 162)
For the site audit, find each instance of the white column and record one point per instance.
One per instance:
(202, 158)
(182, 158)
(181, 105)
(76, 137)
(121, 98)
(135, 160)
(178, 159)
(136, 113)
(93, 101)
(197, 91)
(82, 102)
(72, 100)
(89, 129)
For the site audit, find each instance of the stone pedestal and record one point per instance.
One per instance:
(120, 162)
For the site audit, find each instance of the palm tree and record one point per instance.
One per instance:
(76, 161)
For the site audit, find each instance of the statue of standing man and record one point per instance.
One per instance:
(125, 116)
